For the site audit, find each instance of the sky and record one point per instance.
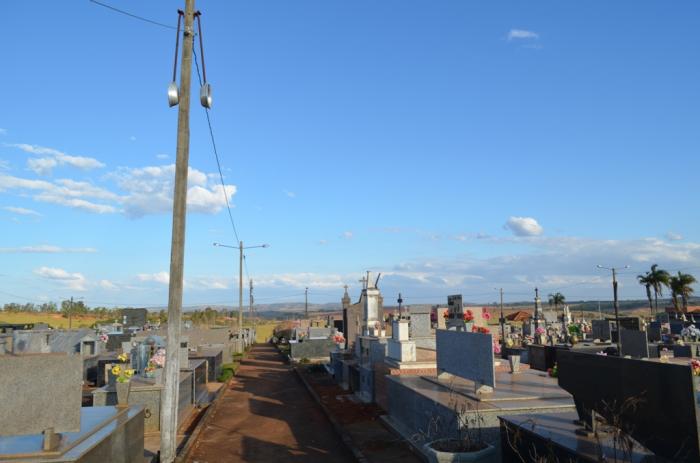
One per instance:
(455, 147)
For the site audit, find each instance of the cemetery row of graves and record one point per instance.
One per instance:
(548, 387)
(110, 381)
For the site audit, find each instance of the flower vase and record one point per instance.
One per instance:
(514, 362)
(123, 390)
(468, 326)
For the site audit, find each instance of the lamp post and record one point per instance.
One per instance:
(615, 304)
(240, 248)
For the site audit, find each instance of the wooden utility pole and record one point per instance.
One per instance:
(168, 410)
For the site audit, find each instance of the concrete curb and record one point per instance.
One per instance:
(345, 437)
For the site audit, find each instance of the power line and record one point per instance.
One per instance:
(216, 154)
(141, 18)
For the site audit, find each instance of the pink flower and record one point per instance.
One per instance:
(486, 315)
(539, 330)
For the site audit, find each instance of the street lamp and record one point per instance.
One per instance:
(240, 248)
(615, 303)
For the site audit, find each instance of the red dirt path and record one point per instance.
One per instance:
(268, 415)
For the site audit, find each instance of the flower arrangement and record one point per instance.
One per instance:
(539, 330)
(695, 365)
(509, 342)
(445, 314)
(104, 337)
(480, 329)
(496, 347)
(485, 314)
(553, 372)
(122, 373)
(338, 339)
(468, 316)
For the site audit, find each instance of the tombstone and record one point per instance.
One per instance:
(662, 317)
(400, 348)
(420, 322)
(601, 330)
(634, 343)
(370, 313)
(441, 320)
(319, 333)
(39, 392)
(659, 386)
(676, 327)
(654, 332)
(455, 312)
(630, 323)
(468, 356)
(184, 351)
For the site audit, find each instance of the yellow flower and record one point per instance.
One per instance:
(129, 373)
(123, 357)
(116, 370)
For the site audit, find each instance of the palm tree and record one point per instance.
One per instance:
(658, 278)
(645, 281)
(556, 299)
(681, 286)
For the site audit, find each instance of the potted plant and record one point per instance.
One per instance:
(461, 440)
(155, 366)
(123, 384)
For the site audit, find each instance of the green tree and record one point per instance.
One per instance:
(658, 278)
(681, 286)
(645, 281)
(556, 300)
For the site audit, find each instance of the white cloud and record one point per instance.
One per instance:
(162, 156)
(303, 280)
(523, 226)
(671, 236)
(150, 189)
(44, 166)
(348, 235)
(290, 194)
(3, 131)
(74, 281)
(160, 277)
(46, 249)
(4, 165)
(515, 34)
(108, 285)
(21, 211)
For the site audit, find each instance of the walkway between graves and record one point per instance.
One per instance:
(268, 415)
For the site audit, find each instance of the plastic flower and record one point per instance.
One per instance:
(539, 330)
(123, 357)
(480, 329)
(695, 365)
(129, 373)
(445, 314)
(486, 315)
(116, 370)
(496, 347)
(468, 316)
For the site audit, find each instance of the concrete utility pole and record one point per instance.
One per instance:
(616, 305)
(240, 295)
(306, 303)
(168, 410)
(250, 309)
(70, 314)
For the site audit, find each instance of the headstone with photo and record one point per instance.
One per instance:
(601, 329)
(455, 313)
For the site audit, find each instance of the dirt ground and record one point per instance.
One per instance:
(268, 415)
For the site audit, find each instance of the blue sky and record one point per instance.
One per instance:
(454, 146)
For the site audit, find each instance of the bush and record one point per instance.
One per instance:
(228, 371)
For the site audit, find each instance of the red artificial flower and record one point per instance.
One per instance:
(468, 316)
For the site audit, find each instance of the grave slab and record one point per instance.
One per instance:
(29, 387)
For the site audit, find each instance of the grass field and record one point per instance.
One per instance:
(264, 331)
(54, 320)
